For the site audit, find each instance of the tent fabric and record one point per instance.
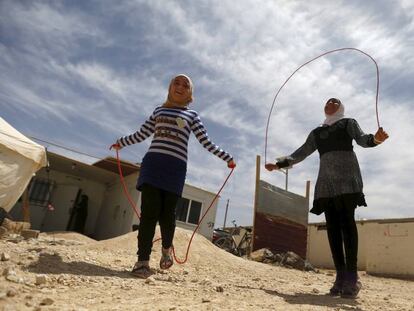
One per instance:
(20, 158)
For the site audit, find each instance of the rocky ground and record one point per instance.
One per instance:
(68, 271)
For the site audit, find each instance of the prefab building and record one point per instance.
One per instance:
(58, 188)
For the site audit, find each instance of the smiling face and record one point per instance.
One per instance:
(180, 90)
(332, 106)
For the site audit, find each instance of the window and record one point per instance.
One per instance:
(188, 211)
(39, 191)
(195, 211)
(181, 209)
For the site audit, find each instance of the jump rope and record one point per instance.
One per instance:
(306, 63)
(121, 176)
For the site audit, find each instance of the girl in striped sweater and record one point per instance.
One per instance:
(163, 168)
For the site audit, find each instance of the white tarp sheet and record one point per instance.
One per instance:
(20, 158)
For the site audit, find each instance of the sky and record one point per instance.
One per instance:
(82, 73)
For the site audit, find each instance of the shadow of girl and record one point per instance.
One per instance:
(317, 300)
(53, 264)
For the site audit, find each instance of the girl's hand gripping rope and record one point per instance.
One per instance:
(115, 146)
(231, 164)
(380, 136)
(271, 167)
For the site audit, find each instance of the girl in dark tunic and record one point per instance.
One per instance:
(338, 189)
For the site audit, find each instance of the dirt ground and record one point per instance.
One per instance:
(68, 271)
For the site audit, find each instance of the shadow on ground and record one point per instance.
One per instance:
(53, 264)
(313, 299)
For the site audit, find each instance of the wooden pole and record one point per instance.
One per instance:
(307, 196)
(256, 197)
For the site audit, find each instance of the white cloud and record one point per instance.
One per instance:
(103, 71)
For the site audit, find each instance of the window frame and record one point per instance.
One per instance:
(35, 198)
(190, 201)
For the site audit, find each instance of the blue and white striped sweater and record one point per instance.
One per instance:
(171, 128)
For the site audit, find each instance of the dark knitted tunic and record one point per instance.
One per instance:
(339, 175)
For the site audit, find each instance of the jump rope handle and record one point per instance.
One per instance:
(115, 146)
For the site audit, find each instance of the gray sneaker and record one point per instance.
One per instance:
(337, 287)
(352, 286)
(141, 270)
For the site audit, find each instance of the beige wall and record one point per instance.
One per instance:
(94, 191)
(385, 247)
(390, 249)
(117, 216)
(205, 197)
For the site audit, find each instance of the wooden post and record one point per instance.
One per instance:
(256, 197)
(26, 207)
(307, 196)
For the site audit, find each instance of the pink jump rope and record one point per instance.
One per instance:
(304, 64)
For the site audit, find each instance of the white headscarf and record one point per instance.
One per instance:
(338, 115)
(169, 102)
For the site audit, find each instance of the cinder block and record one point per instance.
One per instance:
(30, 234)
(3, 231)
(15, 226)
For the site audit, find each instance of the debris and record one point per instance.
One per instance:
(4, 257)
(47, 302)
(40, 279)
(288, 259)
(150, 281)
(219, 289)
(11, 292)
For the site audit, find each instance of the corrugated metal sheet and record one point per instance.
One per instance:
(281, 220)
(279, 235)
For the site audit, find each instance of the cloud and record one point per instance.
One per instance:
(84, 74)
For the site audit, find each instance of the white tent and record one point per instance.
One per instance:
(20, 158)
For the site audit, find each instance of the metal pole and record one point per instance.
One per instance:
(225, 215)
(256, 200)
(286, 179)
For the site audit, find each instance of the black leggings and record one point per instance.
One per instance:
(342, 233)
(157, 205)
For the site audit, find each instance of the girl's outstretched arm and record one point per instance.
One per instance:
(200, 133)
(146, 130)
(362, 139)
(300, 154)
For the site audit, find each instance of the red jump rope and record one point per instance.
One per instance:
(131, 202)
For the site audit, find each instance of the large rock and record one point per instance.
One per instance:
(293, 260)
(261, 254)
